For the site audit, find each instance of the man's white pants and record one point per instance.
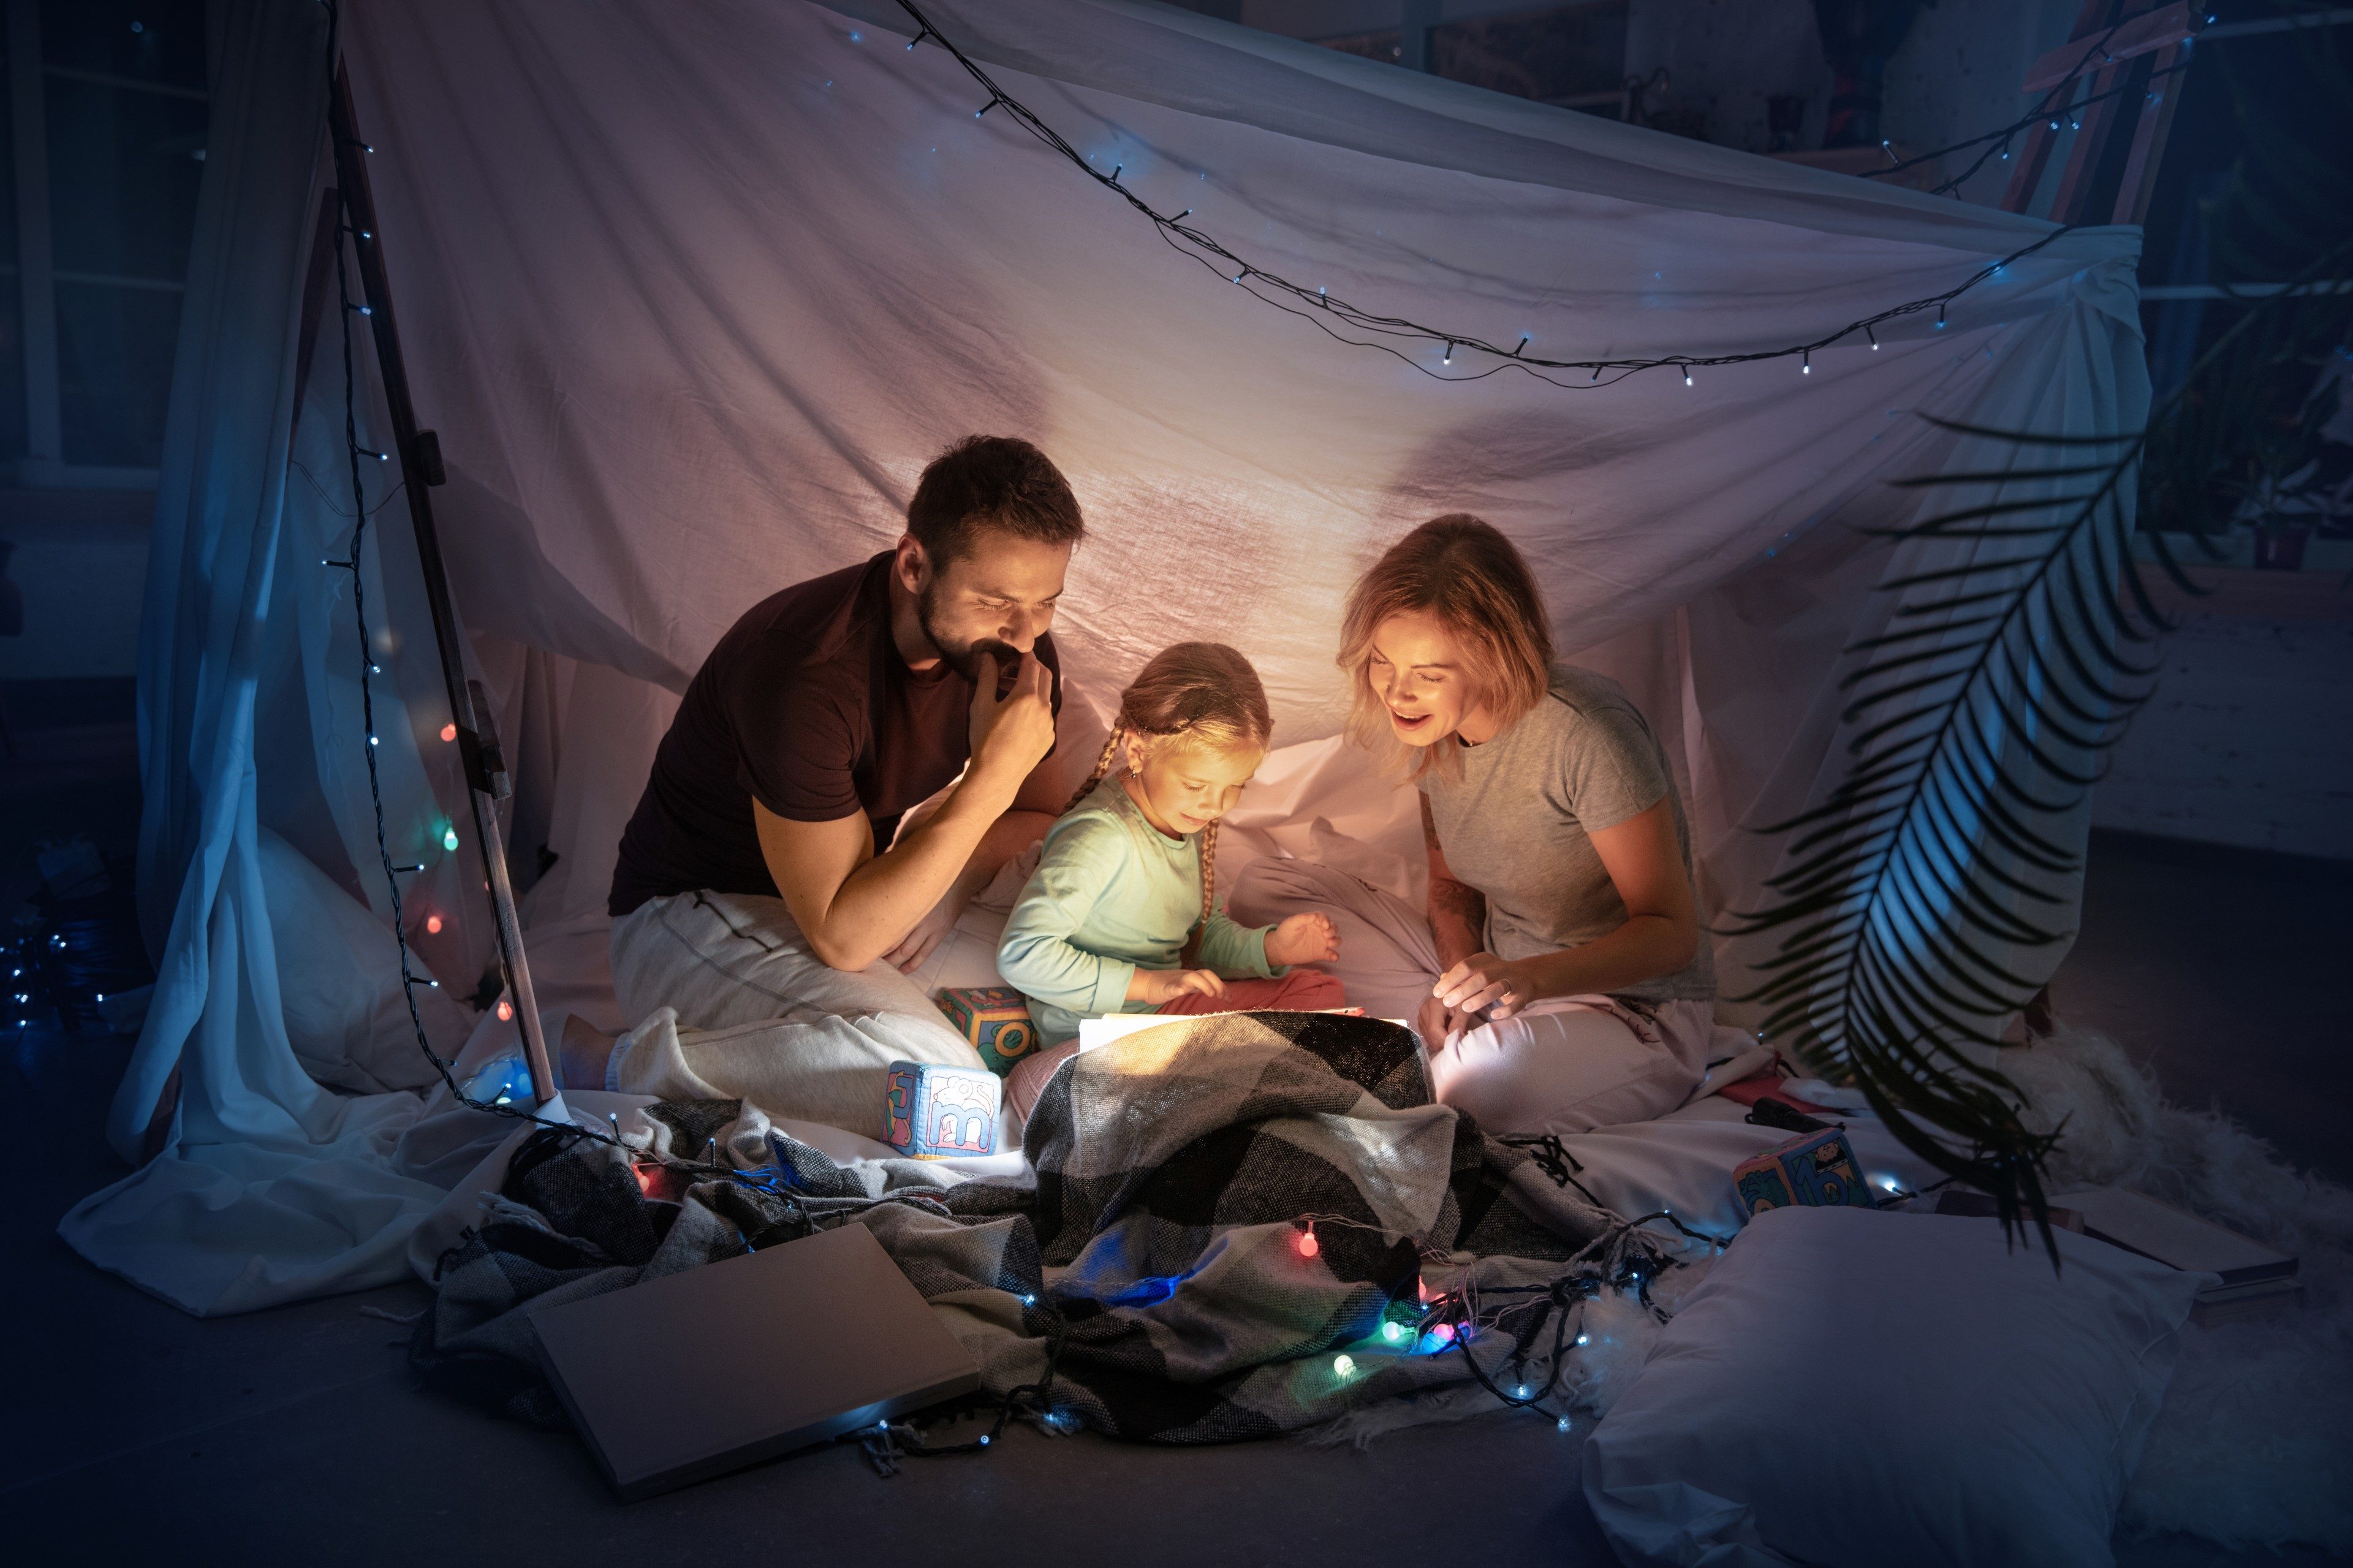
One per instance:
(732, 1004)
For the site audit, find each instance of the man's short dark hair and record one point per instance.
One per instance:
(991, 481)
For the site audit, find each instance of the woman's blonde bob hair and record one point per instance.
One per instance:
(1476, 582)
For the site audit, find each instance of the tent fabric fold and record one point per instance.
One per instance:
(691, 293)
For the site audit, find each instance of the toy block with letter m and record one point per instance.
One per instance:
(936, 1112)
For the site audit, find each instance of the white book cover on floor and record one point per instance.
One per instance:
(2139, 1222)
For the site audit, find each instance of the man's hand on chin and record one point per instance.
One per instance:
(919, 943)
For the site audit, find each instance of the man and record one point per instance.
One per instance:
(765, 892)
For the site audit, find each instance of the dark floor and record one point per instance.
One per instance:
(297, 1436)
(2225, 970)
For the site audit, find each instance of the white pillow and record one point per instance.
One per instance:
(1857, 1389)
(339, 984)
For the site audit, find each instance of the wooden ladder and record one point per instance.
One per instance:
(2118, 77)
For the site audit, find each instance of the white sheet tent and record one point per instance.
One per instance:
(691, 291)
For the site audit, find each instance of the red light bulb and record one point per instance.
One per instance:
(433, 925)
(449, 731)
(1308, 1246)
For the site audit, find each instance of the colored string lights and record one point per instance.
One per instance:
(1340, 320)
(348, 232)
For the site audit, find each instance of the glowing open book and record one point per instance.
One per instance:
(1101, 1031)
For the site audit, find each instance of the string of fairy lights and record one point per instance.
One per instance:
(1339, 319)
(357, 454)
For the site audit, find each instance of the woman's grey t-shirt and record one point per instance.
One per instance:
(1514, 823)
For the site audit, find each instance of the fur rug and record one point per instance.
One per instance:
(2254, 1444)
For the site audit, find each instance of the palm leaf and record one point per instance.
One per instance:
(1908, 898)
(1919, 901)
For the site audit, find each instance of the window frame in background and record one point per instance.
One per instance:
(43, 464)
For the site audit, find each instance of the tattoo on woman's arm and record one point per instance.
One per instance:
(1448, 898)
(1459, 900)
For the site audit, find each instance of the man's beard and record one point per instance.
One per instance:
(962, 657)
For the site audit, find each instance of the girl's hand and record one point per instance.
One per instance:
(1484, 985)
(1303, 939)
(1156, 986)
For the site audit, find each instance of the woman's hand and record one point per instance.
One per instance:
(1486, 987)
(1310, 938)
(1440, 1025)
(1156, 986)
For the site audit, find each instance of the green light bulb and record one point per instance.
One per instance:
(448, 839)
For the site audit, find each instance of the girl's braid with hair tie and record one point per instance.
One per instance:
(1209, 880)
(1119, 731)
(1102, 766)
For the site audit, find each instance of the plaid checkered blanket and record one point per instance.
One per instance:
(1157, 1280)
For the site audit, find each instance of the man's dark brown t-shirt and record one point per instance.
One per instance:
(807, 706)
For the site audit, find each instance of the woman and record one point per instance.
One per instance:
(1561, 980)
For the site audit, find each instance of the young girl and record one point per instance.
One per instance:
(1127, 876)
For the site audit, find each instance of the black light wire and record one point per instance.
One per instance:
(1318, 307)
(2053, 103)
(1551, 1300)
(2000, 138)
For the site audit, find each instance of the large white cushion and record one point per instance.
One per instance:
(1855, 1389)
(339, 984)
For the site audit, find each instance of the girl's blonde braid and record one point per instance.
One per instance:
(1209, 881)
(1102, 766)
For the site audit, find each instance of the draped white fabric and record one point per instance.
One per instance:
(690, 292)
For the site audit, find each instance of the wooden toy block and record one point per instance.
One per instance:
(936, 1112)
(994, 1020)
(1816, 1168)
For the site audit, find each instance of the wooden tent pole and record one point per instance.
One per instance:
(421, 470)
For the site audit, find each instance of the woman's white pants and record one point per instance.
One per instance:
(1566, 1065)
